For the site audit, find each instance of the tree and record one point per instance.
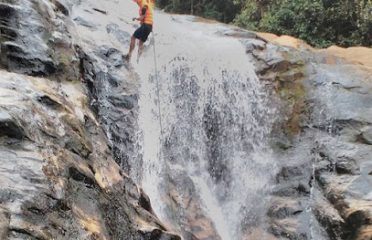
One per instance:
(221, 10)
(319, 22)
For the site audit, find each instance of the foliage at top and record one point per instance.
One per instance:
(319, 22)
(221, 10)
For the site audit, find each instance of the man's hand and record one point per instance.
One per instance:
(141, 18)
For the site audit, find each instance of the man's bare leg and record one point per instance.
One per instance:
(140, 49)
(131, 48)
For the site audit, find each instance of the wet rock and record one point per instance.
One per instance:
(25, 49)
(58, 38)
(15, 58)
(49, 102)
(34, 67)
(272, 61)
(63, 6)
(100, 11)
(78, 145)
(144, 201)
(356, 221)
(291, 172)
(287, 211)
(283, 208)
(49, 190)
(239, 33)
(258, 233)
(328, 216)
(7, 15)
(158, 234)
(114, 80)
(189, 214)
(330, 100)
(9, 195)
(82, 22)
(341, 102)
(282, 142)
(123, 101)
(292, 189)
(21, 180)
(4, 223)
(7, 10)
(366, 135)
(9, 33)
(81, 177)
(347, 165)
(10, 127)
(122, 36)
(11, 48)
(254, 44)
(111, 55)
(288, 229)
(344, 186)
(119, 111)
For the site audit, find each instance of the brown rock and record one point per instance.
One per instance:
(4, 223)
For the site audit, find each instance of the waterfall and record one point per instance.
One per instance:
(214, 155)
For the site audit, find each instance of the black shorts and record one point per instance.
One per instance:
(143, 32)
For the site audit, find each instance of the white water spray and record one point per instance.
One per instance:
(216, 123)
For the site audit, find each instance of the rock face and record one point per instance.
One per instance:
(58, 178)
(324, 141)
(26, 44)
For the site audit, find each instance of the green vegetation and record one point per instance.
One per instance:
(221, 10)
(319, 22)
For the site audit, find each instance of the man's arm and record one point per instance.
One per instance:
(143, 14)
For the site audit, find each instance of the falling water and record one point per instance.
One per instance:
(216, 123)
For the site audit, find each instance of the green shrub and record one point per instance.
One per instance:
(221, 10)
(319, 22)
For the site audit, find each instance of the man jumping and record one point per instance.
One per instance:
(142, 33)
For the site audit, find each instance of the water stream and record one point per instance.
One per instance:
(216, 121)
(210, 173)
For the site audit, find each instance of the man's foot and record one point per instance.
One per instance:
(126, 57)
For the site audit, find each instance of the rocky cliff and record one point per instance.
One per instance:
(58, 176)
(323, 140)
(70, 123)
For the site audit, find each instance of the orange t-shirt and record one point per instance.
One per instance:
(149, 12)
